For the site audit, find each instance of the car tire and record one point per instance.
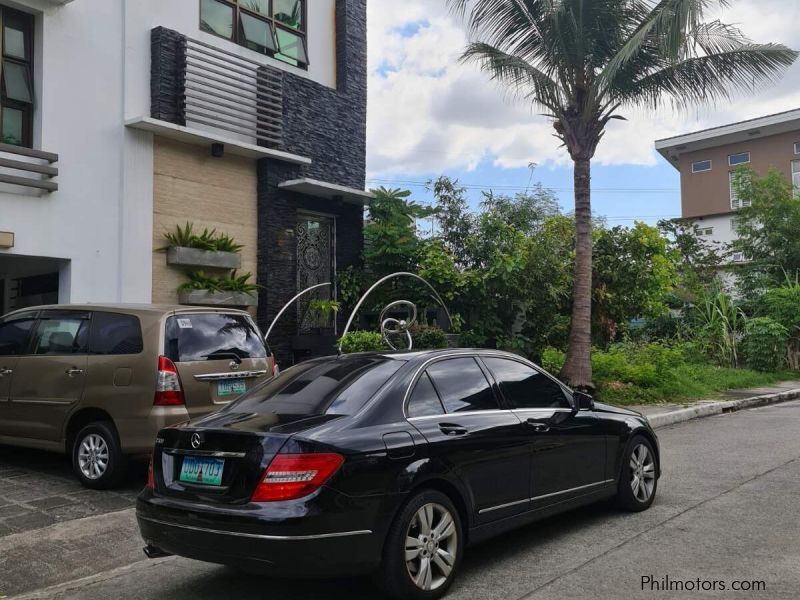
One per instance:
(638, 481)
(97, 457)
(407, 572)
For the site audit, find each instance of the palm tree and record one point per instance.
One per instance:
(585, 60)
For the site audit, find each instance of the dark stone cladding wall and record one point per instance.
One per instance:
(329, 126)
(167, 73)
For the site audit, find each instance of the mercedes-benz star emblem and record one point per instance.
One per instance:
(233, 365)
(196, 441)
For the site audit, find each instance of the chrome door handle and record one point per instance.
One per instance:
(538, 426)
(452, 429)
(73, 371)
(5, 372)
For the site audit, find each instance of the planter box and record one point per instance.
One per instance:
(206, 298)
(192, 257)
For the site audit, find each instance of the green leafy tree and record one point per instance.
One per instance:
(699, 260)
(634, 269)
(767, 229)
(783, 305)
(453, 217)
(585, 61)
(764, 344)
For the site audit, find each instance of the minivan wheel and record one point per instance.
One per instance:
(97, 458)
(423, 548)
(639, 477)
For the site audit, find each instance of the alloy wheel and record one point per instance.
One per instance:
(93, 456)
(643, 473)
(431, 546)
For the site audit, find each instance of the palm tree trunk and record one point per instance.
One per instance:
(577, 369)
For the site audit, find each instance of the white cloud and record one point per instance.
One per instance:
(428, 113)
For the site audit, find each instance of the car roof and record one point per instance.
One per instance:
(135, 309)
(425, 355)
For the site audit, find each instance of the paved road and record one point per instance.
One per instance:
(727, 510)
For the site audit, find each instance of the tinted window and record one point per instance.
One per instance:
(212, 336)
(334, 387)
(14, 335)
(115, 334)
(424, 399)
(526, 387)
(462, 385)
(61, 334)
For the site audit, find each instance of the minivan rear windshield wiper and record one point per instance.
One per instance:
(220, 355)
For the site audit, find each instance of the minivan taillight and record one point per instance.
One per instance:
(292, 476)
(151, 479)
(168, 385)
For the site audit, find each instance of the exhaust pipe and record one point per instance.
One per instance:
(154, 552)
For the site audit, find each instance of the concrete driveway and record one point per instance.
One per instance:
(727, 513)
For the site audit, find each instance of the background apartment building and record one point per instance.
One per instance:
(708, 159)
(121, 118)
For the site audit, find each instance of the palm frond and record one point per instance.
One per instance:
(520, 76)
(704, 79)
(663, 28)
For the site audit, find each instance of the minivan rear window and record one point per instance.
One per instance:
(332, 387)
(212, 336)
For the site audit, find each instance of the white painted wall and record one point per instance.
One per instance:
(92, 72)
(723, 230)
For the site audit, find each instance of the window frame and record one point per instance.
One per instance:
(741, 204)
(91, 350)
(569, 404)
(272, 23)
(746, 162)
(705, 231)
(54, 314)
(697, 162)
(27, 108)
(797, 147)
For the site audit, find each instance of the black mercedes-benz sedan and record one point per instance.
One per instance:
(388, 463)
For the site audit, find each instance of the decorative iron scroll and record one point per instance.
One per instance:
(389, 325)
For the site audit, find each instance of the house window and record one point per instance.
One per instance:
(797, 147)
(738, 159)
(735, 224)
(16, 77)
(704, 231)
(736, 202)
(276, 28)
(701, 166)
(796, 177)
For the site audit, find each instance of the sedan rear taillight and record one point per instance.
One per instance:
(292, 476)
(168, 385)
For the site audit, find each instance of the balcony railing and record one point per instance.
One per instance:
(33, 163)
(231, 93)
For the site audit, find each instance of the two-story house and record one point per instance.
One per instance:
(120, 119)
(708, 159)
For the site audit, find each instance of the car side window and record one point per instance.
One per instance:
(424, 400)
(14, 334)
(462, 385)
(524, 386)
(114, 333)
(61, 334)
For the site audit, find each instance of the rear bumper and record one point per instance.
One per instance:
(287, 539)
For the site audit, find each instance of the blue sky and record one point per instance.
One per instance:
(430, 115)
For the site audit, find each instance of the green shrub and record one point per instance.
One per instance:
(765, 344)
(226, 283)
(363, 341)
(428, 337)
(553, 360)
(208, 240)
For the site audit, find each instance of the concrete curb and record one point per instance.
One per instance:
(717, 408)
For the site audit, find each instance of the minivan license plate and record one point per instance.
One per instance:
(231, 388)
(205, 471)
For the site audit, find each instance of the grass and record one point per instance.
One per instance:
(692, 382)
(655, 373)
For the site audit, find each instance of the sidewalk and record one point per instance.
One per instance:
(662, 415)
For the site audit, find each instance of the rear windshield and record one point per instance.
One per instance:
(332, 387)
(212, 336)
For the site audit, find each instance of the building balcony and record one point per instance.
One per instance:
(28, 168)
(203, 94)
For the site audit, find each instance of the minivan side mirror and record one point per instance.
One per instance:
(583, 401)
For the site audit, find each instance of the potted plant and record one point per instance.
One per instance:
(208, 249)
(226, 290)
(320, 312)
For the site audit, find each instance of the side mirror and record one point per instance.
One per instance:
(583, 401)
